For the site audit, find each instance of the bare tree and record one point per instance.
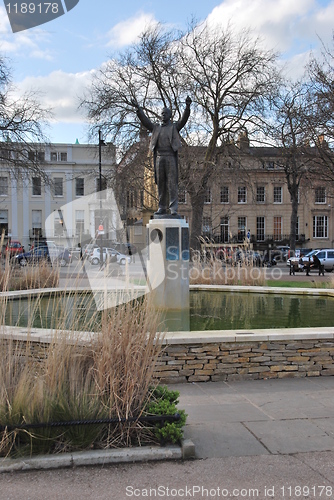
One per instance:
(288, 132)
(231, 77)
(228, 75)
(321, 105)
(22, 122)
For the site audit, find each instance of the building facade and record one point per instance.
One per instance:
(247, 199)
(62, 208)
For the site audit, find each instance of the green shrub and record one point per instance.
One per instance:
(164, 402)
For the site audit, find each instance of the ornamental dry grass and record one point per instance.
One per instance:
(214, 272)
(80, 376)
(40, 275)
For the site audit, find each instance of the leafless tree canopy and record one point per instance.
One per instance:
(22, 122)
(321, 102)
(228, 75)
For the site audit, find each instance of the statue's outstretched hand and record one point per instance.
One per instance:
(188, 101)
(134, 103)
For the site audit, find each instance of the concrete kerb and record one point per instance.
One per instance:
(100, 457)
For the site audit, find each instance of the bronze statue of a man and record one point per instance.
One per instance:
(165, 144)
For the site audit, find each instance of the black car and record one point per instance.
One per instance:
(41, 254)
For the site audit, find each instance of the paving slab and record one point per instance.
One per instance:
(259, 416)
(224, 439)
(291, 436)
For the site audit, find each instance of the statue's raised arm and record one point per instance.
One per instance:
(186, 113)
(141, 115)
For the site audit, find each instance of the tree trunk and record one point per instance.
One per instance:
(293, 220)
(197, 205)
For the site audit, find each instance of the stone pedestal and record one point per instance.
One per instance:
(168, 270)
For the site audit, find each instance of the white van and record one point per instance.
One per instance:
(326, 257)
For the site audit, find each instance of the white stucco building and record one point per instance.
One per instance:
(66, 210)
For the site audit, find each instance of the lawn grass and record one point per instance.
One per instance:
(298, 284)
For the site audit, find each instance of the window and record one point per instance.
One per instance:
(270, 165)
(320, 195)
(131, 199)
(260, 194)
(260, 229)
(241, 228)
(224, 229)
(207, 196)
(5, 154)
(79, 187)
(36, 186)
(207, 226)
(242, 194)
(277, 194)
(182, 196)
(58, 186)
(79, 222)
(277, 228)
(58, 156)
(224, 194)
(58, 225)
(3, 186)
(36, 156)
(36, 218)
(4, 221)
(320, 226)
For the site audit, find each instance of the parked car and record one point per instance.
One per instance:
(301, 260)
(13, 248)
(249, 257)
(113, 256)
(125, 248)
(326, 257)
(280, 253)
(42, 254)
(88, 249)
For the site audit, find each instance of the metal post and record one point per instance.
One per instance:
(100, 189)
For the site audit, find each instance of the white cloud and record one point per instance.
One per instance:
(128, 31)
(60, 91)
(4, 22)
(27, 43)
(289, 27)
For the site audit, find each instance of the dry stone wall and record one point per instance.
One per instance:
(245, 360)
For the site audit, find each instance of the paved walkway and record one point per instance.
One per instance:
(259, 417)
(254, 439)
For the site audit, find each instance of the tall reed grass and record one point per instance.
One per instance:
(14, 277)
(214, 271)
(78, 376)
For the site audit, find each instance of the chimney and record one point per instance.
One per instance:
(321, 142)
(243, 141)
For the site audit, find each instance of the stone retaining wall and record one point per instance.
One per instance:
(228, 355)
(245, 360)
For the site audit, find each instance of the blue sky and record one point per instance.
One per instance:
(58, 58)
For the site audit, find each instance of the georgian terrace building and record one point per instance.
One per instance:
(247, 200)
(64, 209)
(247, 197)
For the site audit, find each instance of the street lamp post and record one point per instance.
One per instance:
(101, 143)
